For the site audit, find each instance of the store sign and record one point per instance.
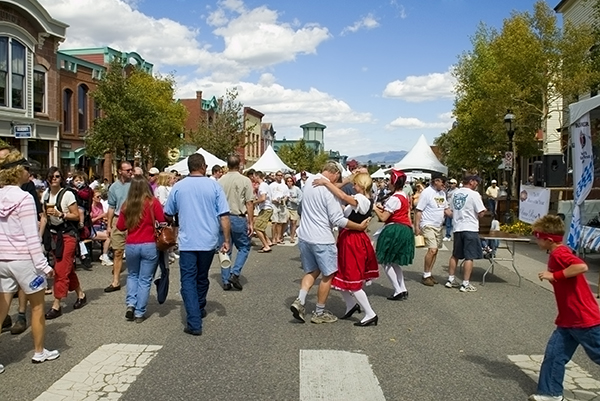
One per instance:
(22, 131)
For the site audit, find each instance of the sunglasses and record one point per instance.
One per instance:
(57, 176)
(151, 175)
(127, 171)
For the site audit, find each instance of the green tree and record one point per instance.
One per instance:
(226, 131)
(300, 157)
(529, 67)
(139, 118)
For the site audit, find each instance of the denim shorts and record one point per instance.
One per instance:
(322, 257)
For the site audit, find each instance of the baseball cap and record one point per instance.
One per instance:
(494, 182)
(453, 181)
(438, 176)
(153, 170)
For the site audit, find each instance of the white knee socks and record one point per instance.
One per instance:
(400, 277)
(391, 273)
(349, 299)
(363, 301)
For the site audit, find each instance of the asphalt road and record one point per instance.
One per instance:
(440, 344)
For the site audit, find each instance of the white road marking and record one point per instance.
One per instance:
(337, 375)
(105, 374)
(579, 384)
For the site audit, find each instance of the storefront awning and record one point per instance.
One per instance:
(72, 155)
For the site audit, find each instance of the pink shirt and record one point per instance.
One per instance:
(19, 237)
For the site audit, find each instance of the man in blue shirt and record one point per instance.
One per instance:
(203, 213)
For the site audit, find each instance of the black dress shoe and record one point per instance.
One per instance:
(80, 303)
(355, 308)
(227, 287)
(187, 330)
(112, 288)
(53, 313)
(203, 313)
(399, 297)
(235, 281)
(372, 321)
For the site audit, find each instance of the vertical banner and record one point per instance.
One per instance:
(583, 174)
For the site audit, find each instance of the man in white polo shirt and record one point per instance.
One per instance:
(429, 219)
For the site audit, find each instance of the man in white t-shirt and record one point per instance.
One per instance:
(467, 208)
(429, 219)
(492, 196)
(279, 195)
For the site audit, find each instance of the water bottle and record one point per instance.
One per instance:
(36, 282)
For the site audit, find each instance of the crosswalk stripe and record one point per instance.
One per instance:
(579, 384)
(337, 375)
(104, 374)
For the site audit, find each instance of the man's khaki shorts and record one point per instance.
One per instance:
(117, 237)
(262, 220)
(433, 236)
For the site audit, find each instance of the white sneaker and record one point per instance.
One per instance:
(467, 288)
(451, 284)
(45, 356)
(446, 239)
(538, 397)
(175, 256)
(106, 260)
(1, 368)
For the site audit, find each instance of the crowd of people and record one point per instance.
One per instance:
(43, 234)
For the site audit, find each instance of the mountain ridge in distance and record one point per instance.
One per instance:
(391, 157)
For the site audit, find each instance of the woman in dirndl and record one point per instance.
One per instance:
(357, 262)
(396, 242)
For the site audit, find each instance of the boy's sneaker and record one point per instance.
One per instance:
(298, 310)
(451, 284)
(45, 356)
(325, 317)
(106, 260)
(467, 288)
(537, 397)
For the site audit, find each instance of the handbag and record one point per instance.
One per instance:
(164, 236)
(419, 241)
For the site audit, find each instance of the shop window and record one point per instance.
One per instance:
(82, 108)
(12, 73)
(67, 110)
(39, 90)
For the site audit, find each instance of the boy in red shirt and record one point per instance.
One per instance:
(578, 320)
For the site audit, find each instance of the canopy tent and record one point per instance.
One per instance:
(422, 158)
(269, 162)
(211, 160)
(581, 108)
(417, 175)
(380, 174)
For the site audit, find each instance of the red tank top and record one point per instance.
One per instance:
(400, 216)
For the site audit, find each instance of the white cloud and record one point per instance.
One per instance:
(367, 22)
(286, 108)
(422, 88)
(253, 39)
(415, 123)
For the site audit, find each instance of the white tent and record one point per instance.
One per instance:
(210, 160)
(380, 174)
(269, 162)
(422, 158)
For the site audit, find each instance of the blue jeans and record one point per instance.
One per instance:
(194, 266)
(241, 240)
(559, 351)
(492, 206)
(448, 223)
(142, 260)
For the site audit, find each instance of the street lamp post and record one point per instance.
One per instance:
(509, 123)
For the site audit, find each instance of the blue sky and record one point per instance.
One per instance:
(375, 72)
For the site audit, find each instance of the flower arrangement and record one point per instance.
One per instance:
(517, 227)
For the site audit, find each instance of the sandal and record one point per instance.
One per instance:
(48, 291)
(263, 250)
(292, 241)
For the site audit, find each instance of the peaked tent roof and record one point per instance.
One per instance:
(210, 160)
(421, 157)
(379, 174)
(269, 162)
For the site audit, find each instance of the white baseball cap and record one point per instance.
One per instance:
(153, 170)
(494, 181)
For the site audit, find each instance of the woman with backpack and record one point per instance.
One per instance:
(138, 216)
(61, 227)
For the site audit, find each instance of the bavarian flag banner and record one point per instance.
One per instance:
(583, 174)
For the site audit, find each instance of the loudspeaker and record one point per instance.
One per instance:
(538, 173)
(555, 171)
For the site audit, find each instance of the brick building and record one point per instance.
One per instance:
(253, 142)
(80, 71)
(198, 110)
(29, 80)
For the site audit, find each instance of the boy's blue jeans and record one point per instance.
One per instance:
(559, 351)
